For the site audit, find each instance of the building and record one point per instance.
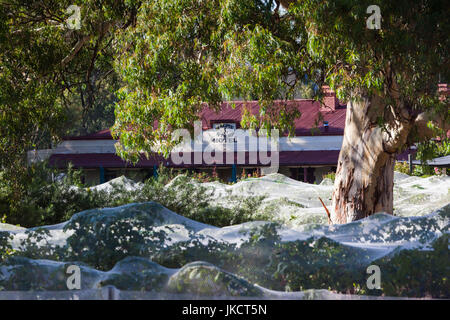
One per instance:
(311, 153)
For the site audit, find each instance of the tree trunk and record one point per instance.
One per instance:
(365, 173)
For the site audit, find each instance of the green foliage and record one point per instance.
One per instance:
(428, 150)
(45, 200)
(330, 175)
(108, 238)
(319, 264)
(137, 274)
(223, 49)
(54, 81)
(417, 273)
(423, 171)
(252, 50)
(286, 266)
(49, 201)
(402, 167)
(239, 210)
(5, 246)
(103, 240)
(168, 57)
(194, 201)
(203, 279)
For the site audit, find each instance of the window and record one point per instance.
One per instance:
(224, 132)
(226, 126)
(301, 174)
(109, 175)
(297, 174)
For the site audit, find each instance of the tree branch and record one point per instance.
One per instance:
(75, 50)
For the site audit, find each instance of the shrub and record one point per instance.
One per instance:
(47, 201)
(191, 200)
(423, 171)
(402, 167)
(5, 245)
(330, 175)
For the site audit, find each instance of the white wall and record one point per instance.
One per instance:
(246, 143)
(303, 143)
(85, 146)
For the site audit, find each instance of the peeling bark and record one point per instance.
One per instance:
(365, 173)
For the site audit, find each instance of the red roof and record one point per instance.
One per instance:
(309, 109)
(100, 135)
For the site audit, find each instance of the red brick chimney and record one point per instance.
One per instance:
(329, 102)
(444, 91)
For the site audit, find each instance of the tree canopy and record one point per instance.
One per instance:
(171, 56)
(53, 77)
(180, 54)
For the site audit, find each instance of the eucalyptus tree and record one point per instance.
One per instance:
(180, 54)
(56, 60)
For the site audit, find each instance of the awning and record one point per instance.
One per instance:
(436, 162)
(111, 160)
